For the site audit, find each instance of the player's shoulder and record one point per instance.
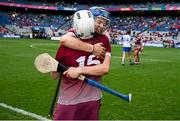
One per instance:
(103, 36)
(71, 30)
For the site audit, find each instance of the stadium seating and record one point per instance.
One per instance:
(57, 24)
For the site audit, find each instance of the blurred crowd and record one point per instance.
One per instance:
(86, 4)
(165, 26)
(29, 19)
(120, 23)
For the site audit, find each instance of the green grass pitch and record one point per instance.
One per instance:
(154, 83)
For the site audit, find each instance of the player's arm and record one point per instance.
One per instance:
(97, 70)
(71, 41)
(133, 41)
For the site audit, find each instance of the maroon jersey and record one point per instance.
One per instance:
(72, 58)
(138, 44)
(74, 91)
(138, 41)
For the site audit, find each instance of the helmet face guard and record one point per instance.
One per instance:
(83, 23)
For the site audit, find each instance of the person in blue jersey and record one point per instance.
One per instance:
(127, 47)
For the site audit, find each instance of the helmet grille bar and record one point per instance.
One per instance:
(78, 15)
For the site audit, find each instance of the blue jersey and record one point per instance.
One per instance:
(126, 40)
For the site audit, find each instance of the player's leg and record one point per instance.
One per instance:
(129, 56)
(123, 58)
(140, 51)
(135, 56)
(138, 56)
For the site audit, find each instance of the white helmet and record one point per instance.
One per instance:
(83, 23)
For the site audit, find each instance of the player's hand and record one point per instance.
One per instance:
(72, 72)
(99, 51)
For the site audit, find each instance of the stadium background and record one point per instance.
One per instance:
(154, 83)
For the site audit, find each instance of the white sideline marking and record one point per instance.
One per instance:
(34, 46)
(33, 115)
(148, 59)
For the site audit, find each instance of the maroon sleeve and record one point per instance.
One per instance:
(107, 44)
(60, 54)
(105, 40)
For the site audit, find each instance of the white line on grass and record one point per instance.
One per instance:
(147, 59)
(33, 115)
(39, 44)
(34, 46)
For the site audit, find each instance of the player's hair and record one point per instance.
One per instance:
(129, 32)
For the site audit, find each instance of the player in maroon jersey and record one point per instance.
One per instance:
(77, 100)
(70, 41)
(138, 48)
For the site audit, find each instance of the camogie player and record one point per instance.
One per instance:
(127, 47)
(78, 100)
(138, 48)
(97, 49)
